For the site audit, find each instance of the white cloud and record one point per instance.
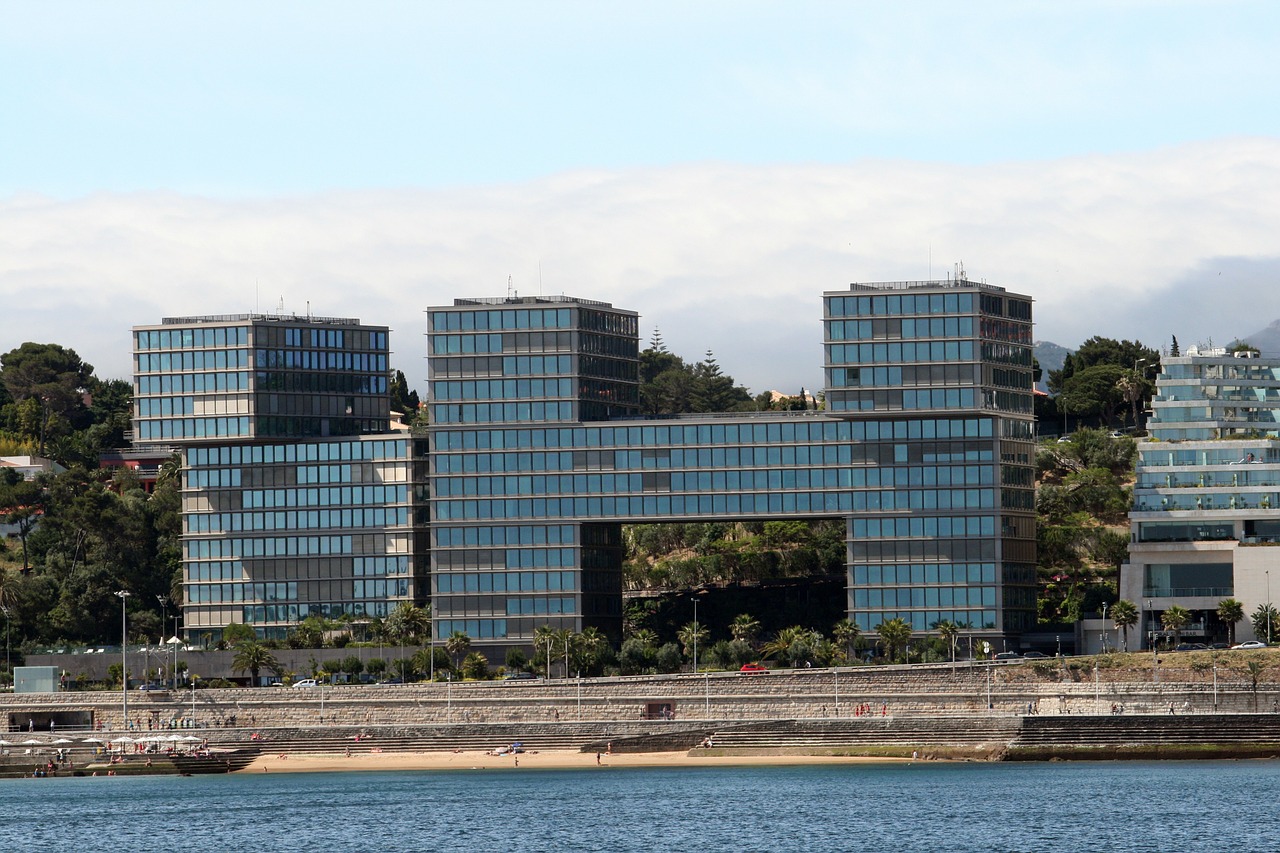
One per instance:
(729, 258)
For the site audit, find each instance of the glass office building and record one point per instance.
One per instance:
(253, 376)
(925, 451)
(297, 499)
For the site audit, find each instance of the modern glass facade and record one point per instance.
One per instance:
(296, 498)
(925, 452)
(250, 376)
(273, 533)
(1206, 505)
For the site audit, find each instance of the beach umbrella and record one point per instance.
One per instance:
(125, 739)
(32, 742)
(190, 738)
(63, 740)
(6, 742)
(91, 740)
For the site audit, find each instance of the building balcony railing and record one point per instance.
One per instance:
(1188, 592)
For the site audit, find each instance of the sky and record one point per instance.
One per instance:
(715, 166)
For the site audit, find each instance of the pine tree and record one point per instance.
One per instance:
(1173, 350)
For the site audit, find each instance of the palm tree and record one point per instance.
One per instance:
(544, 640)
(894, 633)
(1174, 619)
(845, 632)
(254, 657)
(588, 646)
(744, 627)
(408, 622)
(1263, 619)
(456, 645)
(1231, 612)
(1125, 615)
(950, 633)
(783, 640)
(645, 637)
(691, 636)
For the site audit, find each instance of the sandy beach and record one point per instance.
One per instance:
(543, 760)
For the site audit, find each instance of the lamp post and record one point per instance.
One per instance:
(1104, 627)
(123, 595)
(8, 664)
(1155, 658)
(1268, 607)
(695, 634)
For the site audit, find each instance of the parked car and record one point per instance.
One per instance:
(1189, 647)
(1007, 656)
(1034, 654)
(306, 682)
(1250, 644)
(519, 676)
(152, 687)
(753, 667)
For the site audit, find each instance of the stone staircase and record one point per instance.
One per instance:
(980, 735)
(1147, 735)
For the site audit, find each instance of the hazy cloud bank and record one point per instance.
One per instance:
(731, 258)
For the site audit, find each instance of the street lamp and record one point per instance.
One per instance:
(8, 664)
(123, 595)
(1268, 607)
(695, 634)
(1104, 627)
(1155, 659)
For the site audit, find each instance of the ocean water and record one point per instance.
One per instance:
(1165, 806)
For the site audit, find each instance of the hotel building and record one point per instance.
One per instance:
(1206, 510)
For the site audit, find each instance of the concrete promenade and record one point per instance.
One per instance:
(1012, 689)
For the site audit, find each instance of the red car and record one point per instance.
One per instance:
(753, 667)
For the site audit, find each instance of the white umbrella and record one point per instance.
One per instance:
(6, 742)
(32, 742)
(63, 740)
(125, 739)
(91, 740)
(190, 738)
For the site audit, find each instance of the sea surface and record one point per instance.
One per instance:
(950, 808)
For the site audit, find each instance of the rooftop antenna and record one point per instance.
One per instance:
(539, 277)
(960, 271)
(510, 288)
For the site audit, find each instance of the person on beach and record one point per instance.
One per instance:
(597, 758)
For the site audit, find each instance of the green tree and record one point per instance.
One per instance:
(408, 623)
(894, 634)
(352, 666)
(845, 633)
(21, 505)
(692, 635)
(475, 667)
(1254, 668)
(1264, 621)
(457, 645)
(1125, 615)
(668, 659)
(1174, 619)
(516, 660)
(238, 634)
(253, 657)
(636, 657)
(744, 628)
(1231, 612)
(949, 632)
(54, 379)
